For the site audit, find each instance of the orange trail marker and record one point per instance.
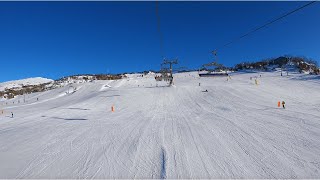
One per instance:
(112, 108)
(278, 103)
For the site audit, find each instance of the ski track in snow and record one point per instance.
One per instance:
(234, 130)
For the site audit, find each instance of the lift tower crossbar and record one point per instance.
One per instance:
(170, 63)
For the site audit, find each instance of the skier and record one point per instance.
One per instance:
(283, 104)
(199, 84)
(11, 114)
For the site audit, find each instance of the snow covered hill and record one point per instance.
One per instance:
(24, 82)
(286, 63)
(234, 130)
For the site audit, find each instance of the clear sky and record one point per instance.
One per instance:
(55, 39)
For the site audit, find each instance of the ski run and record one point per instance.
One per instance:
(198, 128)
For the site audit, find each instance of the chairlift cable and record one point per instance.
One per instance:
(159, 30)
(266, 24)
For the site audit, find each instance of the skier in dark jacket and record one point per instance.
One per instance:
(11, 114)
(283, 104)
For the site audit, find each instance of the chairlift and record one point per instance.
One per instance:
(216, 71)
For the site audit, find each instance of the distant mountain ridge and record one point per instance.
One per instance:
(300, 64)
(11, 89)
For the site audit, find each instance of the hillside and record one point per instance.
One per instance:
(18, 84)
(286, 63)
(11, 89)
(235, 130)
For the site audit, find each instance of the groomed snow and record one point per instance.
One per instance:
(235, 130)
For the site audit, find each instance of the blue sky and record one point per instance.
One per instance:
(55, 39)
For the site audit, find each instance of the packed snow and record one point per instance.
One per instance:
(212, 127)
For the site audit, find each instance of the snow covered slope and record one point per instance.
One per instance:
(235, 130)
(24, 82)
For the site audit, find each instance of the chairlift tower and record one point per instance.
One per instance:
(166, 70)
(170, 63)
(214, 63)
(214, 52)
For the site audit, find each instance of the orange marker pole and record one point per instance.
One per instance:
(278, 103)
(112, 108)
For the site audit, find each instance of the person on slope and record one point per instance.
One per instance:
(11, 114)
(283, 104)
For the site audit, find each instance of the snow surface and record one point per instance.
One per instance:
(235, 130)
(24, 82)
